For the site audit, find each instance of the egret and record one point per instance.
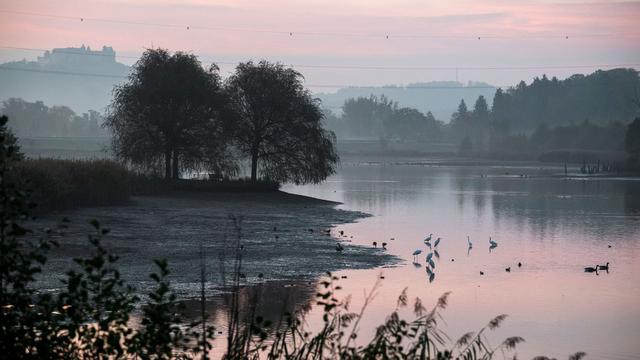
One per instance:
(591, 269)
(416, 253)
(429, 256)
(604, 267)
(492, 243)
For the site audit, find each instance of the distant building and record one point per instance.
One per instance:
(82, 58)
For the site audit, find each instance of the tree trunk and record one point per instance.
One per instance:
(167, 164)
(254, 166)
(176, 171)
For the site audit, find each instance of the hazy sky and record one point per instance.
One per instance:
(421, 33)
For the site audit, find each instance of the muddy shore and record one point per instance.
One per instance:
(283, 236)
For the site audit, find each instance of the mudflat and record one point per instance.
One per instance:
(283, 237)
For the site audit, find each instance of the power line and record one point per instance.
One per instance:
(73, 73)
(363, 67)
(291, 33)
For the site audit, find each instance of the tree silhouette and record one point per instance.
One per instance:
(169, 111)
(278, 125)
(632, 142)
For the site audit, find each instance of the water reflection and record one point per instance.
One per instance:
(548, 228)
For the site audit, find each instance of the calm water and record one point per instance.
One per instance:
(554, 226)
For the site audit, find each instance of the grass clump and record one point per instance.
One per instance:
(62, 184)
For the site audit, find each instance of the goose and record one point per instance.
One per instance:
(591, 269)
(604, 267)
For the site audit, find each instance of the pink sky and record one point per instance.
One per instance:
(348, 32)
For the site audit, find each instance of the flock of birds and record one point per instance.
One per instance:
(430, 263)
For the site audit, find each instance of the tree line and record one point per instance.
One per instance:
(582, 112)
(175, 116)
(35, 119)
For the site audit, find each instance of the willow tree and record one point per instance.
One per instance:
(278, 125)
(169, 114)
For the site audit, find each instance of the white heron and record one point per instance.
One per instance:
(492, 243)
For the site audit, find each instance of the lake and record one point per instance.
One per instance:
(554, 226)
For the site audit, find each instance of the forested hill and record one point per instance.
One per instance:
(441, 98)
(599, 98)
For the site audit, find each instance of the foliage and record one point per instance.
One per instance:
(602, 97)
(169, 113)
(38, 120)
(632, 142)
(62, 184)
(278, 125)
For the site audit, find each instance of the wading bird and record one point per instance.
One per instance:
(428, 238)
(437, 242)
(375, 244)
(492, 243)
(416, 253)
(384, 245)
(469, 241)
(604, 267)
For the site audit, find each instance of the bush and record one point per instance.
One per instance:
(62, 184)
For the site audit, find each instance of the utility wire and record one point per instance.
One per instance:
(387, 35)
(73, 73)
(362, 67)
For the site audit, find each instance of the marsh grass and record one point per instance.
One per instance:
(63, 184)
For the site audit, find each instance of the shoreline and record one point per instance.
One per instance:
(283, 236)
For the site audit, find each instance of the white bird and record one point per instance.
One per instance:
(428, 238)
(492, 243)
(469, 241)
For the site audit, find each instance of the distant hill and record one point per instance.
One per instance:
(80, 78)
(439, 97)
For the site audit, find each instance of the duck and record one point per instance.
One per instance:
(591, 269)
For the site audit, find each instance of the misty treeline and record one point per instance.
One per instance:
(582, 112)
(173, 116)
(35, 119)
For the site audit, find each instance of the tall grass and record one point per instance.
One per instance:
(62, 184)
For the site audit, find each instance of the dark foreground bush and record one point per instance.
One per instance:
(63, 184)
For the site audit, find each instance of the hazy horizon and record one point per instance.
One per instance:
(345, 43)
